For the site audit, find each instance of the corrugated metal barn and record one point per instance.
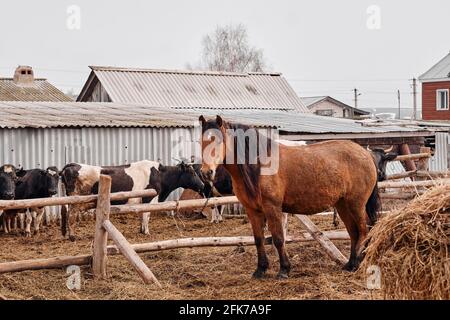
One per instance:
(150, 114)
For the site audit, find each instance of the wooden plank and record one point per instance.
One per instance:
(433, 174)
(221, 242)
(81, 260)
(43, 202)
(412, 184)
(127, 250)
(415, 156)
(402, 175)
(46, 263)
(173, 205)
(99, 255)
(400, 195)
(330, 249)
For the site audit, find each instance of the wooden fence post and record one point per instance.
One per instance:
(423, 164)
(330, 249)
(127, 250)
(99, 256)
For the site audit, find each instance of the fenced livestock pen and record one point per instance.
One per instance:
(42, 134)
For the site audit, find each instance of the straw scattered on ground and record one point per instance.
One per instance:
(198, 273)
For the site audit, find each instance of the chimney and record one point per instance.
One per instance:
(24, 76)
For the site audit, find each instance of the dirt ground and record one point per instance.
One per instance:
(198, 273)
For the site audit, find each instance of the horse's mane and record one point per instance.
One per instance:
(250, 170)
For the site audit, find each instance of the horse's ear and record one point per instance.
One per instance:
(219, 121)
(202, 120)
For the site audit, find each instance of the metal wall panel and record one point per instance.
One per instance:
(439, 162)
(44, 147)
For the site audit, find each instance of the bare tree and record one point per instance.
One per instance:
(228, 49)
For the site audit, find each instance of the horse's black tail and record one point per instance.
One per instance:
(373, 206)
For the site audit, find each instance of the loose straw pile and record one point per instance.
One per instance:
(411, 246)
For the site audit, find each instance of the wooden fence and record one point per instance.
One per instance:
(105, 229)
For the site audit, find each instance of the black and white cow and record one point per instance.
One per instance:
(82, 179)
(32, 184)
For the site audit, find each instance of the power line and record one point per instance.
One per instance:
(344, 80)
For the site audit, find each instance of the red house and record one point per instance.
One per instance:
(436, 91)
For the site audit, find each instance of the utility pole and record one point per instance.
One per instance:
(356, 93)
(398, 97)
(414, 115)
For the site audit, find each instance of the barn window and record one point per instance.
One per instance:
(325, 112)
(442, 99)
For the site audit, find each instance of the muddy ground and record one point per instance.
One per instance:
(198, 273)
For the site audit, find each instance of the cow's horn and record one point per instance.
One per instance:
(368, 148)
(389, 150)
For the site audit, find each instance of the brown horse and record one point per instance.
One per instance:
(309, 180)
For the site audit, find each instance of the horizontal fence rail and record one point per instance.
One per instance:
(43, 202)
(63, 261)
(173, 205)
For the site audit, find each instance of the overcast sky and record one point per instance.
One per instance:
(322, 47)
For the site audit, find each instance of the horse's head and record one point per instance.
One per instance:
(213, 145)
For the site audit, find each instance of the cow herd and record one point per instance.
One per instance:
(83, 179)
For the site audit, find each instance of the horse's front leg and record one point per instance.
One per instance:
(257, 221)
(277, 221)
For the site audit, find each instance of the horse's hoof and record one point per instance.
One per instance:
(258, 274)
(350, 267)
(282, 276)
(72, 238)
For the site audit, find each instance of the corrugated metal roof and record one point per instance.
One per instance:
(305, 123)
(309, 101)
(40, 90)
(16, 114)
(195, 89)
(440, 71)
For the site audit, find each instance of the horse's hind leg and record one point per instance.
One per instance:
(361, 220)
(257, 221)
(352, 229)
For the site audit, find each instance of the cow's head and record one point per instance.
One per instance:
(69, 175)
(189, 179)
(50, 179)
(7, 182)
(381, 157)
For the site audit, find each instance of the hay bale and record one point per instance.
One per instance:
(411, 246)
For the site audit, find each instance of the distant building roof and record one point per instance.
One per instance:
(309, 102)
(439, 72)
(194, 89)
(109, 114)
(24, 87)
